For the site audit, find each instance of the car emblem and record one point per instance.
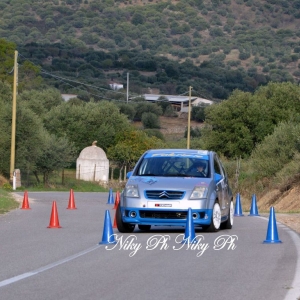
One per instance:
(164, 194)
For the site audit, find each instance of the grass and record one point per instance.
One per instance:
(76, 185)
(7, 202)
(61, 182)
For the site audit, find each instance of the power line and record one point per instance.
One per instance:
(67, 80)
(62, 79)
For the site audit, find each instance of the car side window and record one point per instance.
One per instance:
(218, 168)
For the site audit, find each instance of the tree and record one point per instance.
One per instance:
(56, 154)
(137, 18)
(143, 107)
(198, 113)
(150, 120)
(41, 102)
(5, 141)
(83, 124)
(29, 139)
(238, 124)
(128, 110)
(131, 146)
(276, 150)
(7, 50)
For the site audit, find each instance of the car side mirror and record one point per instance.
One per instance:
(128, 174)
(218, 177)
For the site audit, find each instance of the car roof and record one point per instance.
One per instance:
(201, 154)
(176, 151)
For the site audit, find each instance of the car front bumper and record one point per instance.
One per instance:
(164, 217)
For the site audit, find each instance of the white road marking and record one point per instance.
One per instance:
(47, 267)
(294, 290)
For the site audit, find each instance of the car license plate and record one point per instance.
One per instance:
(162, 205)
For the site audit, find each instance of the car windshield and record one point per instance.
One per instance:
(181, 166)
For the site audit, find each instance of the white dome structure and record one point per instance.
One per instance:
(92, 164)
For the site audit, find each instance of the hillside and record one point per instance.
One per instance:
(214, 45)
(285, 199)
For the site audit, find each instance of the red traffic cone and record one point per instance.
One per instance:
(71, 201)
(54, 222)
(117, 200)
(115, 222)
(25, 204)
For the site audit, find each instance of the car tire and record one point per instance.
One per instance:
(215, 219)
(123, 227)
(144, 227)
(229, 222)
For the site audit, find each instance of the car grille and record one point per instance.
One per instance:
(163, 194)
(155, 214)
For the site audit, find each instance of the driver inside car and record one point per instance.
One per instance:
(198, 169)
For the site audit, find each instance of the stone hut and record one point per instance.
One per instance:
(92, 164)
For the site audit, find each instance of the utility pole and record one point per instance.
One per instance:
(189, 119)
(127, 86)
(13, 125)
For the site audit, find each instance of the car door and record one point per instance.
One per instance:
(221, 185)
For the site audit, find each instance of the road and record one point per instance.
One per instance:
(68, 263)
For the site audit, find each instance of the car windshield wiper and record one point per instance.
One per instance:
(150, 174)
(176, 175)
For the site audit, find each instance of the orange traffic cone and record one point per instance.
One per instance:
(71, 201)
(117, 200)
(25, 204)
(115, 222)
(54, 222)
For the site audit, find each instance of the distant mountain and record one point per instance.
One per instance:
(214, 45)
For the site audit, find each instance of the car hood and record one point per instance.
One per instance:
(168, 183)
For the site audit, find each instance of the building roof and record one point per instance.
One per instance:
(67, 97)
(173, 99)
(92, 152)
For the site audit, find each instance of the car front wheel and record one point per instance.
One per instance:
(123, 227)
(215, 219)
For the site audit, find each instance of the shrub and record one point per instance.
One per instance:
(155, 133)
(169, 112)
(276, 150)
(150, 120)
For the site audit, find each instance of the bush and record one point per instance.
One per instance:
(150, 120)
(155, 133)
(128, 110)
(198, 113)
(194, 132)
(276, 150)
(170, 112)
(144, 107)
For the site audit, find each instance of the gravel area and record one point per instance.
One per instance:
(292, 220)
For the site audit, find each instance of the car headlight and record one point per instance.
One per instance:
(132, 191)
(199, 192)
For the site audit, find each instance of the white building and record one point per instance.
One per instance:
(92, 164)
(179, 103)
(67, 97)
(116, 86)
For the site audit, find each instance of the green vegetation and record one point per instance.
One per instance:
(244, 55)
(58, 183)
(7, 202)
(214, 46)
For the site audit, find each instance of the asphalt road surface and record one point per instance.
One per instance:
(43, 263)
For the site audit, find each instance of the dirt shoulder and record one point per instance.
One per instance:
(291, 220)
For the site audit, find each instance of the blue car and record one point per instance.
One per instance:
(165, 183)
